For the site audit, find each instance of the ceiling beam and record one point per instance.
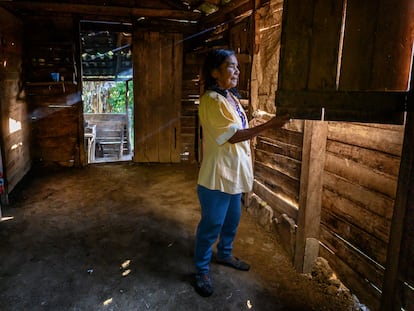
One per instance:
(100, 10)
(227, 13)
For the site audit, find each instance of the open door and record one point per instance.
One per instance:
(107, 91)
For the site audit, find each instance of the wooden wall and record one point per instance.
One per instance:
(189, 107)
(55, 106)
(329, 188)
(359, 187)
(15, 120)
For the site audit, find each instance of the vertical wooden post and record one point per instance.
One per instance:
(398, 253)
(256, 26)
(313, 162)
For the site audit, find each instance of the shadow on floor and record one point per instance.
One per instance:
(120, 236)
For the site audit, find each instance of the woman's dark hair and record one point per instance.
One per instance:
(214, 59)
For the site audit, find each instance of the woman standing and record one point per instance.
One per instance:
(226, 169)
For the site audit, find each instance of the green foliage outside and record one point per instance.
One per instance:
(107, 97)
(117, 97)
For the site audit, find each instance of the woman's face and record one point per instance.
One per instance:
(227, 75)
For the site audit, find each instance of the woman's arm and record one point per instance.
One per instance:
(249, 133)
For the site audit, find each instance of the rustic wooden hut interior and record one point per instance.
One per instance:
(335, 183)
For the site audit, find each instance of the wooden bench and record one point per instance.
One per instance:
(110, 133)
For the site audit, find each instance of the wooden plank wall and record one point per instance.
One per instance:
(189, 107)
(277, 168)
(360, 180)
(55, 106)
(15, 121)
(361, 162)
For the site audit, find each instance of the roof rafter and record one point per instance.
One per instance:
(101, 10)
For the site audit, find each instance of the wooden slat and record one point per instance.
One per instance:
(370, 245)
(277, 147)
(296, 44)
(378, 107)
(280, 163)
(384, 140)
(279, 204)
(276, 181)
(374, 201)
(146, 117)
(379, 43)
(325, 34)
(285, 136)
(359, 45)
(371, 223)
(56, 149)
(354, 259)
(366, 294)
(188, 122)
(378, 161)
(177, 75)
(407, 291)
(361, 175)
(167, 138)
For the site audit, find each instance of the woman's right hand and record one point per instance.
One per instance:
(278, 121)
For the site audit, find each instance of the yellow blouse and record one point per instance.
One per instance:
(226, 167)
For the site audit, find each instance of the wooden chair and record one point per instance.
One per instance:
(110, 139)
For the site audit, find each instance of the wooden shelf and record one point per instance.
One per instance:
(51, 84)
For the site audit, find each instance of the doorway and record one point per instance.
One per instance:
(107, 91)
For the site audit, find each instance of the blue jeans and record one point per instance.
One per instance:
(220, 217)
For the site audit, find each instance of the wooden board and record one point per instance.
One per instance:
(157, 94)
(361, 175)
(377, 203)
(366, 293)
(283, 164)
(276, 181)
(374, 107)
(318, 71)
(310, 194)
(378, 161)
(356, 236)
(271, 146)
(354, 259)
(377, 46)
(371, 223)
(386, 140)
(279, 204)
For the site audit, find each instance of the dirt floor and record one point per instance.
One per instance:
(120, 237)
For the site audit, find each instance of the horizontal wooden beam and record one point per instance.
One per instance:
(99, 10)
(352, 106)
(226, 13)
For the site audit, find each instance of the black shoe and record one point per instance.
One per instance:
(203, 285)
(234, 262)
